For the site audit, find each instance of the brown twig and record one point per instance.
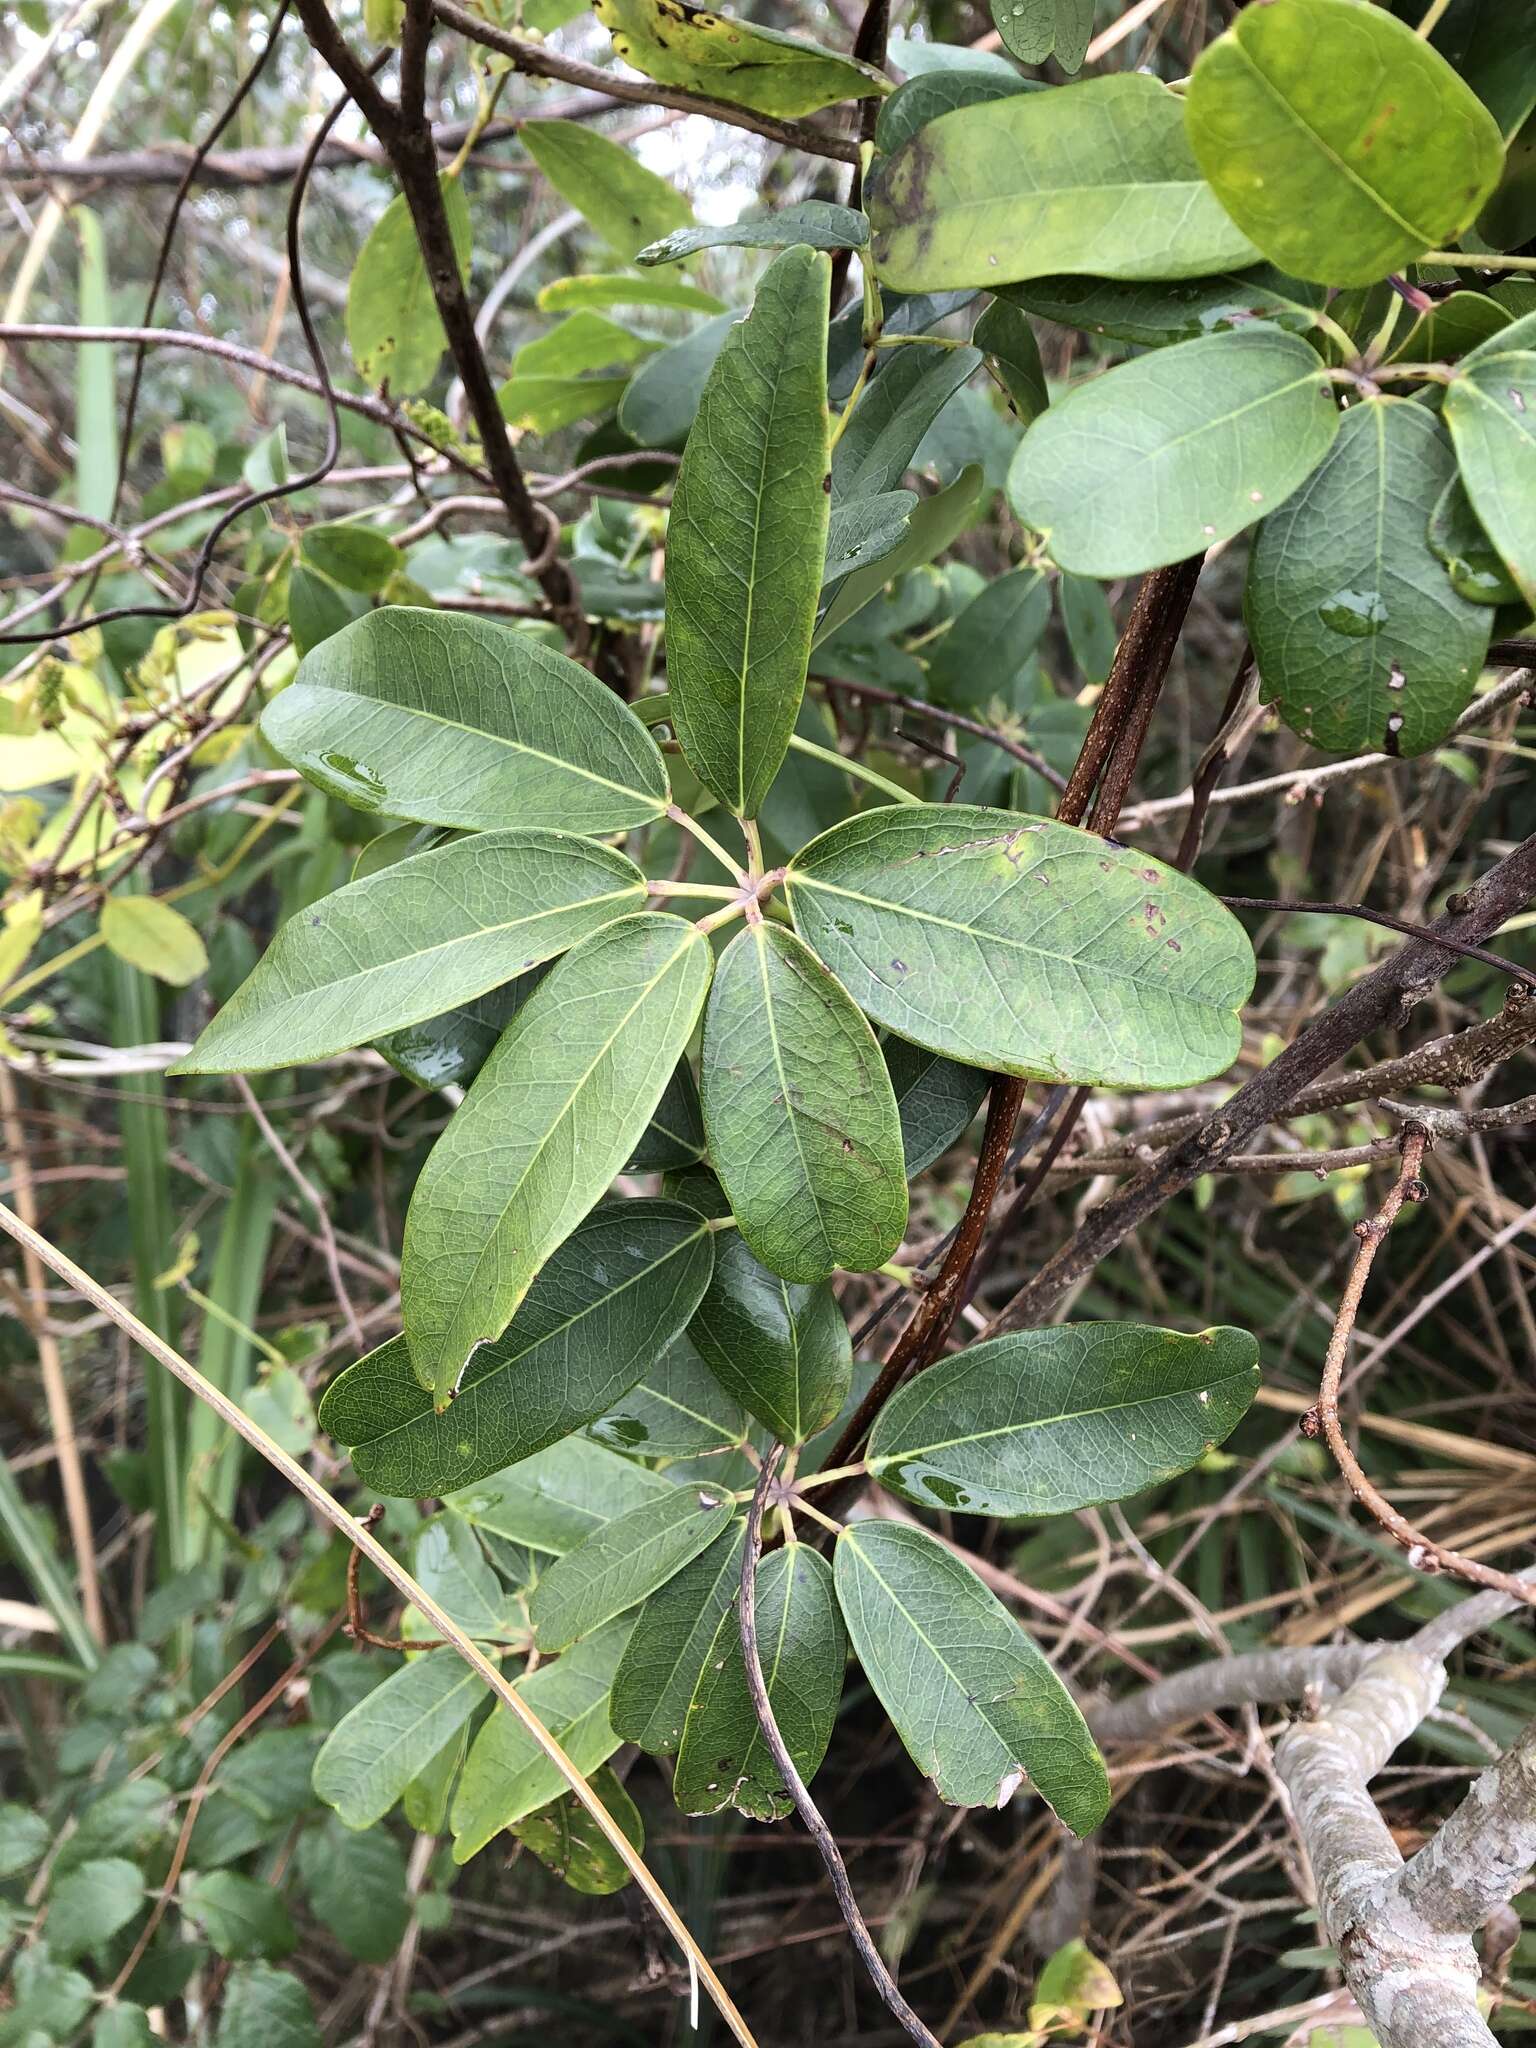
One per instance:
(826, 1843)
(1424, 1553)
(1387, 923)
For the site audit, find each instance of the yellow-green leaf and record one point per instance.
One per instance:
(153, 937)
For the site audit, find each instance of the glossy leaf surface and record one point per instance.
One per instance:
(667, 1656)
(555, 1500)
(779, 1348)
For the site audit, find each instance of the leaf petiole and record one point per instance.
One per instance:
(857, 769)
(712, 845)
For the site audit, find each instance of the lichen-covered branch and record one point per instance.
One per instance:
(1484, 1853)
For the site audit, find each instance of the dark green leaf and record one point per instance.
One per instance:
(1006, 336)
(627, 204)
(450, 1049)
(1158, 311)
(1174, 451)
(780, 1349)
(621, 1288)
(816, 223)
(1472, 562)
(991, 640)
(679, 1410)
(1017, 943)
(394, 1732)
(977, 1706)
(931, 93)
(1090, 626)
(443, 927)
(1487, 42)
(555, 1500)
(1042, 1422)
(623, 1563)
(318, 609)
(549, 1121)
(747, 537)
(567, 1840)
(265, 2008)
(659, 407)
(242, 1918)
(1036, 29)
(1452, 327)
(802, 1646)
(890, 418)
(1359, 635)
(357, 1888)
(457, 721)
(24, 1838)
(937, 522)
(936, 1098)
(1096, 178)
(803, 1127)
(674, 1136)
(356, 557)
(862, 531)
(1490, 407)
(667, 1656)
(506, 1775)
(90, 1903)
(1340, 141)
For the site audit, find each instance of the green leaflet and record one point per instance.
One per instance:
(1155, 312)
(1472, 562)
(96, 1899)
(667, 1656)
(265, 2007)
(614, 1295)
(1490, 408)
(1041, 1422)
(936, 1099)
(779, 1348)
(803, 1648)
(568, 1842)
(1359, 634)
(747, 537)
(898, 406)
(555, 1500)
(440, 928)
(1090, 626)
(1021, 944)
(357, 1888)
(733, 60)
(624, 1562)
(598, 292)
(1452, 327)
(456, 721)
(977, 1706)
(816, 223)
(1006, 336)
(927, 95)
(627, 204)
(802, 1125)
(239, 1917)
(674, 1136)
(392, 326)
(679, 1410)
(549, 1121)
(932, 526)
(1338, 140)
(1095, 178)
(991, 640)
(1173, 451)
(394, 1732)
(449, 1565)
(1036, 29)
(506, 1775)
(862, 531)
(662, 399)
(455, 1045)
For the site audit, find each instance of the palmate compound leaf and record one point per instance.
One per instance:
(1041, 1422)
(450, 720)
(1338, 140)
(733, 60)
(441, 928)
(1096, 178)
(393, 1733)
(610, 1300)
(549, 1121)
(1359, 634)
(747, 537)
(977, 1706)
(801, 1120)
(1020, 944)
(665, 1660)
(781, 1349)
(803, 1648)
(624, 1562)
(1164, 455)
(506, 1775)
